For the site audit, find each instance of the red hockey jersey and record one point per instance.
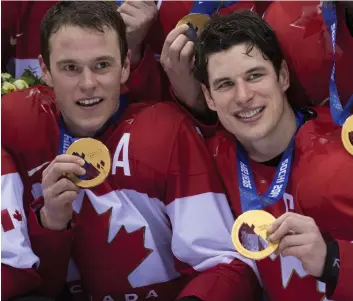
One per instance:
(160, 216)
(18, 273)
(307, 47)
(320, 186)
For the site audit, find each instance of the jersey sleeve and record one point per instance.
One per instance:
(18, 261)
(54, 250)
(339, 204)
(201, 221)
(144, 82)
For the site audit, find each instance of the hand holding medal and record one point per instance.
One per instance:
(256, 234)
(85, 164)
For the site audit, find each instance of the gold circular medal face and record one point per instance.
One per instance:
(196, 24)
(347, 134)
(97, 158)
(249, 234)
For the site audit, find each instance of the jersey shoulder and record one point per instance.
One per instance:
(155, 131)
(322, 168)
(28, 118)
(320, 135)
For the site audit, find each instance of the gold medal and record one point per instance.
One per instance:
(196, 23)
(347, 134)
(249, 234)
(97, 158)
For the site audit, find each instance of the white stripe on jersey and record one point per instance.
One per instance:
(15, 245)
(159, 4)
(134, 210)
(202, 231)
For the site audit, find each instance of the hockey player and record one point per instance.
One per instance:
(159, 225)
(288, 162)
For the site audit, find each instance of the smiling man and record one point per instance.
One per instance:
(288, 162)
(145, 232)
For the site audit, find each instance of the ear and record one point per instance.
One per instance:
(209, 99)
(125, 70)
(284, 76)
(46, 76)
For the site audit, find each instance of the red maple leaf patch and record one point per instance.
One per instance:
(17, 215)
(106, 266)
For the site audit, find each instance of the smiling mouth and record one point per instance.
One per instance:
(89, 102)
(249, 114)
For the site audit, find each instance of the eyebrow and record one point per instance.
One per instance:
(256, 69)
(100, 58)
(225, 78)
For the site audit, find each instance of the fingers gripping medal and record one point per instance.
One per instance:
(97, 162)
(249, 234)
(196, 23)
(347, 134)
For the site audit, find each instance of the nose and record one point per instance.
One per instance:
(88, 80)
(243, 93)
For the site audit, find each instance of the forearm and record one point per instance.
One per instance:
(54, 250)
(226, 282)
(17, 282)
(339, 288)
(144, 83)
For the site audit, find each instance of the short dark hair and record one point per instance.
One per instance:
(224, 32)
(85, 14)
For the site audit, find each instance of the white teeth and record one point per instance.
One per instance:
(89, 101)
(249, 114)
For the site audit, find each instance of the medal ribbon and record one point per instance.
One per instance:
(65, 138)
(339, 114)
(249, 197)
(209, 7)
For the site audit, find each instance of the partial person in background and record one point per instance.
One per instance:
(307, 46)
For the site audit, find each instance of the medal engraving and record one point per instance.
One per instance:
(249, 234)
(196, 23)
(97, 162)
